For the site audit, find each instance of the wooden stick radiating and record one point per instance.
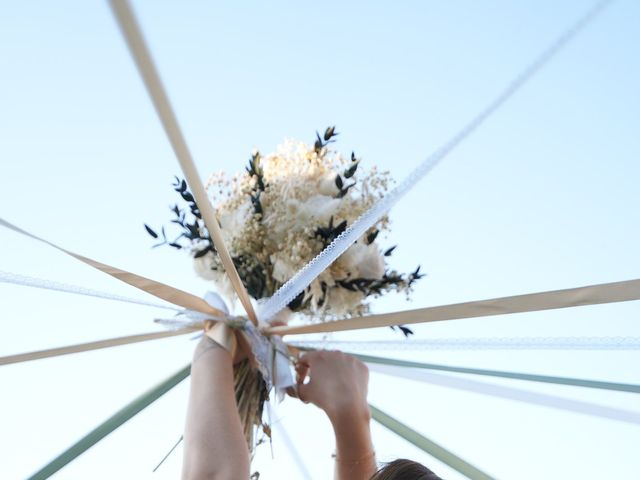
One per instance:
(572, 297)
(143, 60)
(157, 289)
(90, 346)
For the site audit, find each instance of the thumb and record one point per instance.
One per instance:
(304, 391)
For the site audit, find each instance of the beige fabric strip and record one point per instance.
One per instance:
(86, 347)
(157, 289)
(144, 62)
(223, 335)
(572, 297)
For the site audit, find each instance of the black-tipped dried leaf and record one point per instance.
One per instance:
(296, 303)
(329, 132)
(202, 252)
(349, 286)
(150, 231)
(407, 331)
(317, 146)
(350, 172)
(345, 190)
(341, 227)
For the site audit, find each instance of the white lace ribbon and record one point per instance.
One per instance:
(322, 261)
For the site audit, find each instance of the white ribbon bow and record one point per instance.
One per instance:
(271, 353)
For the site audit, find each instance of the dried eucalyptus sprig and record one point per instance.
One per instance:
(193, 229)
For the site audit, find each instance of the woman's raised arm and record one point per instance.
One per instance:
(214, 443)
(338, 384)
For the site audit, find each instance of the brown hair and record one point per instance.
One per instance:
(403, 469)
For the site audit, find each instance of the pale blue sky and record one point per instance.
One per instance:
(543, 196)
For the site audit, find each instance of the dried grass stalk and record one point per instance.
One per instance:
(251, 393)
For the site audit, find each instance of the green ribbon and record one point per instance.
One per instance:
(576, 382)
(430, 447)
(112, 423)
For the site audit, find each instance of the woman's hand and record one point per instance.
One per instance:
(338, 384)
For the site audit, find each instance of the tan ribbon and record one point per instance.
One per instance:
(86, 347)
(157, 289)
(572, 297)
(223, 335)
(144, 62)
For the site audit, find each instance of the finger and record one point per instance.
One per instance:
(302, 373)
(302, 368)
(309, 358)
(303, 392)
(292, 392)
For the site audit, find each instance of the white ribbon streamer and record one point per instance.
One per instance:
(478, 343)
(510, 393)
(16, 279)
(359, 227)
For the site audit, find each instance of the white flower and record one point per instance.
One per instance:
(318, 209)
(282, 269)
(204, 267)
(342, 301)
(232, 223)
(363, 261)
(327, 185)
